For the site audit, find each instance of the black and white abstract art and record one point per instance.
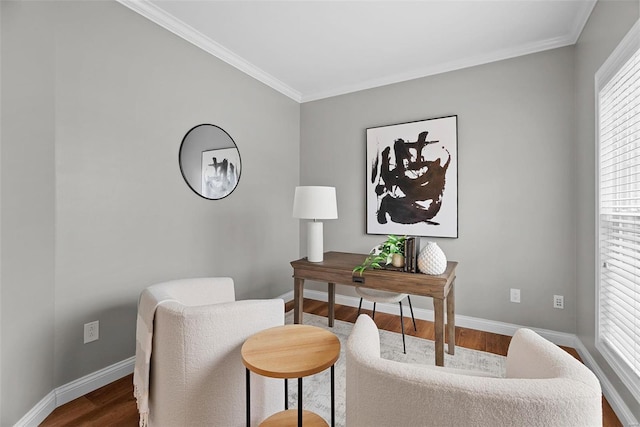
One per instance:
(412, 178)
(220, 172)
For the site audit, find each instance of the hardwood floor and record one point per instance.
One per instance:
(114, 405)
(111, 405)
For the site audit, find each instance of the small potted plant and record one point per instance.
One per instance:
(391, 251)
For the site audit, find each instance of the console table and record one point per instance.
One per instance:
(337, 267)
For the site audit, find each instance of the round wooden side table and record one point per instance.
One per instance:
(291, 351)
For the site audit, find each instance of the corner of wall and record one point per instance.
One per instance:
(1, 400)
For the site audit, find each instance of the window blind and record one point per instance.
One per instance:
(618, 118)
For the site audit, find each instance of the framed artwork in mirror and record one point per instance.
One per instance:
(412, 178)
(220, 172)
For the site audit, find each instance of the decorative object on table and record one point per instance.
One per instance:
(210, 161)
(432, 260)
(412, 178)
(397, 260)
(315, 202)
(411, 246)
(382, 255)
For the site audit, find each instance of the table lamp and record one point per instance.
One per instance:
(315, 203)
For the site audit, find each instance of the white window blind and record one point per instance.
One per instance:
(618, 298)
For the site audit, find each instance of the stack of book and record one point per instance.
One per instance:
(411, 250)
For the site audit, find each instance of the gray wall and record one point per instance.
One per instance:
(28, 207)
(609, 23)
(96, 100)
(515, 182)
(0, 215)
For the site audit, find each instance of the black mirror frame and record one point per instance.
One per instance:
(180, 161)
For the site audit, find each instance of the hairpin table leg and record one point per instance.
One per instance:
(248, 399)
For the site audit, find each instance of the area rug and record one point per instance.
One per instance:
(317, 388)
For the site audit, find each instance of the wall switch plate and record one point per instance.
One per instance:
(515, 295)
(91, 331)
(558, 301)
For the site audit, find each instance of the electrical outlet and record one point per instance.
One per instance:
(515, 295)
(558, 301)
(91, 331)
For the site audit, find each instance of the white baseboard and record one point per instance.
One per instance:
(617, 404)
(38, 413)
(502, 328)
(560, 338)
(74, 390)
(94, 381)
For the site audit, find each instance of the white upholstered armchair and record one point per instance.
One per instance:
(196, 374)
(544, 386)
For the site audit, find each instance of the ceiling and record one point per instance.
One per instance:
(311, 50)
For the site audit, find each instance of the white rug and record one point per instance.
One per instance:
(317, 388)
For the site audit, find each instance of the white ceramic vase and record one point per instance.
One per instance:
(432, 260)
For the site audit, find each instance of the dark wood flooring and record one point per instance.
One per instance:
(114, 405)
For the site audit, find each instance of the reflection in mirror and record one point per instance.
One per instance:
(210, 161)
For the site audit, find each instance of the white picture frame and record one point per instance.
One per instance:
(412, 178)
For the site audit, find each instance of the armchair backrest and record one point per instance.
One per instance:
(382, 392)
(197, 377)
(196, 291)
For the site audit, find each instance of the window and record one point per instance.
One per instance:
(618, 256)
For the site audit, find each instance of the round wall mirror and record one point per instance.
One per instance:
(210, 161)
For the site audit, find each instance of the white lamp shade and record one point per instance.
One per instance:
(314, 202)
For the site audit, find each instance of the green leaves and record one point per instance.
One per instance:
(382, 254)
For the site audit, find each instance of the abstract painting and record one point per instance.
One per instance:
(412, 178)
(220, 172)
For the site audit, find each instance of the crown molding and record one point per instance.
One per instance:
(569, 39)
(472, 61)
(157, 15)
(188, 33)
(581, 19)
